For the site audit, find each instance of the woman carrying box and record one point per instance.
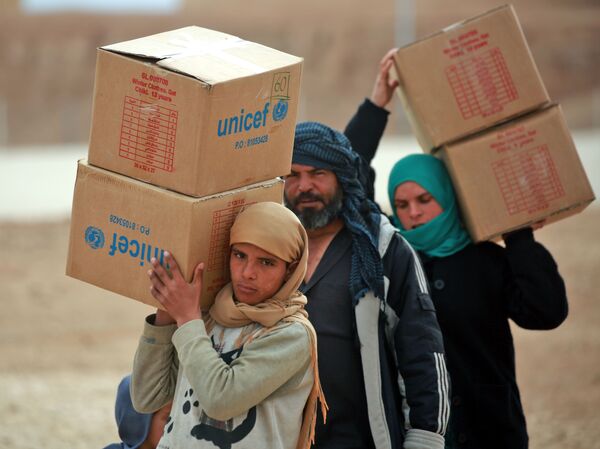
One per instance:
(244, 375)
(476, 288)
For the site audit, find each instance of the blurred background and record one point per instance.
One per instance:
(47, 63)
(64, 345)
(47, 50)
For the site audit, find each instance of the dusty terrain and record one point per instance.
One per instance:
(64, 345)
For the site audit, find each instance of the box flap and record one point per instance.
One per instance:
(210, 56)
(465, 22)
(86, 169)
(461, 24)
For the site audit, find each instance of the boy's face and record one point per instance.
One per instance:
(256, 275)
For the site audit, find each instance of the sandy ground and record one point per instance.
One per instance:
(64, 345)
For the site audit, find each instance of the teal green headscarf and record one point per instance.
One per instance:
(444, 235)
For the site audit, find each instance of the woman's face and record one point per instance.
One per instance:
(414, 205)
(256, 275)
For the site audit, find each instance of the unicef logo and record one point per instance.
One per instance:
(280, 111)
(94, 237)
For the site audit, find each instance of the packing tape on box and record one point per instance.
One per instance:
(192, 47)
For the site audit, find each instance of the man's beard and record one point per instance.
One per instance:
(312, 218)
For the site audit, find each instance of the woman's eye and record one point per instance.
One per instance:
(401, 205)
(425, 199)
(267, 262)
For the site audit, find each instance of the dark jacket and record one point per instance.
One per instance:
(401, 350)
(476, 291)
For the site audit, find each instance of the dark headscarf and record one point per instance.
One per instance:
(319, 146)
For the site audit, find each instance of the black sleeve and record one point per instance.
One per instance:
(536, 292)
(418, 341)
(364, 131)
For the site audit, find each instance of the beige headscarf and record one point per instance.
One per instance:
(275, 229)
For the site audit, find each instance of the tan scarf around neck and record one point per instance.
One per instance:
(275, 229)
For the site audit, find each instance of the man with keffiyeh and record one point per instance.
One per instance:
(381, 355)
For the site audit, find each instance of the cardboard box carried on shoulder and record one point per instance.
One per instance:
(467, 77)
(118, 224)
(194, 110)
(518, 173)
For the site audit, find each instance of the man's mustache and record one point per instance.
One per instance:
(307, 196)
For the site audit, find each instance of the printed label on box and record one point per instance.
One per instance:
(281, 86)
(148, 133)
(138, 250)
(528, 180)
(257, 121)
(482, 84)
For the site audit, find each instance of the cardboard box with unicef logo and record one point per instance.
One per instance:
(194, 110)
(518, 173)
(468, 77)
(118, 224)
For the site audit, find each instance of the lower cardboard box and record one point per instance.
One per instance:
(513, 175)
(118, 224)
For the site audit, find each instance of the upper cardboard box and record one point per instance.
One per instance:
(194, 110)
(467, 77)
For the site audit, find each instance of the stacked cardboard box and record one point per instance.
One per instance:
(474, 97)
(518, 173)
(188, 126)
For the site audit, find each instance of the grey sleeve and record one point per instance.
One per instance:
(155, 366)
(265, 364)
